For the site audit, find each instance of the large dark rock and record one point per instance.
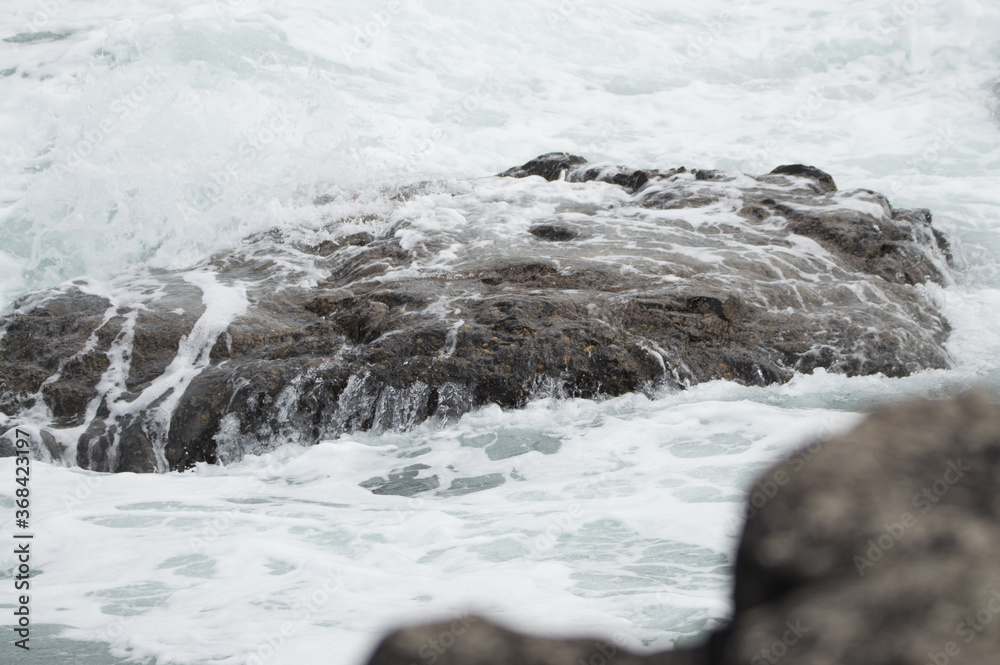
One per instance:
(881, 543)
(878, 547)
(565, 278)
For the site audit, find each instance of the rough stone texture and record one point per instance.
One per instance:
(602, 281)
(476, 641)
(882, 540)
(877, 547)
(936, 462)
(913, 613)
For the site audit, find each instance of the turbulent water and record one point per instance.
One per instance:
(145, 135)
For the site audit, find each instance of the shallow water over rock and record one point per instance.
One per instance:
(558, 278)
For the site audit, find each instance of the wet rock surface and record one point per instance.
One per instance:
(883, 542)
(875, 547)
(560, 278)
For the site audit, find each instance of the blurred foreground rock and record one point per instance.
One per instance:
(878, 547)
(476, 641)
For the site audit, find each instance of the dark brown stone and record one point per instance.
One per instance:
(390, 336)
(553, 232)
(824, 182)
(550, 166)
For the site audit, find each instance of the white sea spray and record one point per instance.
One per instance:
(155, 133)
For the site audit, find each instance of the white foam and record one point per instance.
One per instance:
(160, 131)
(228, 551)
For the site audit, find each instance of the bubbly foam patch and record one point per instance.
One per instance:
(157, 132)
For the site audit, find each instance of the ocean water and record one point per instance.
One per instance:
(144, 135)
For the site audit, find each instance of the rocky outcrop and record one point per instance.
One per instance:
(883, 542)
(878, 546)
(428, 301)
